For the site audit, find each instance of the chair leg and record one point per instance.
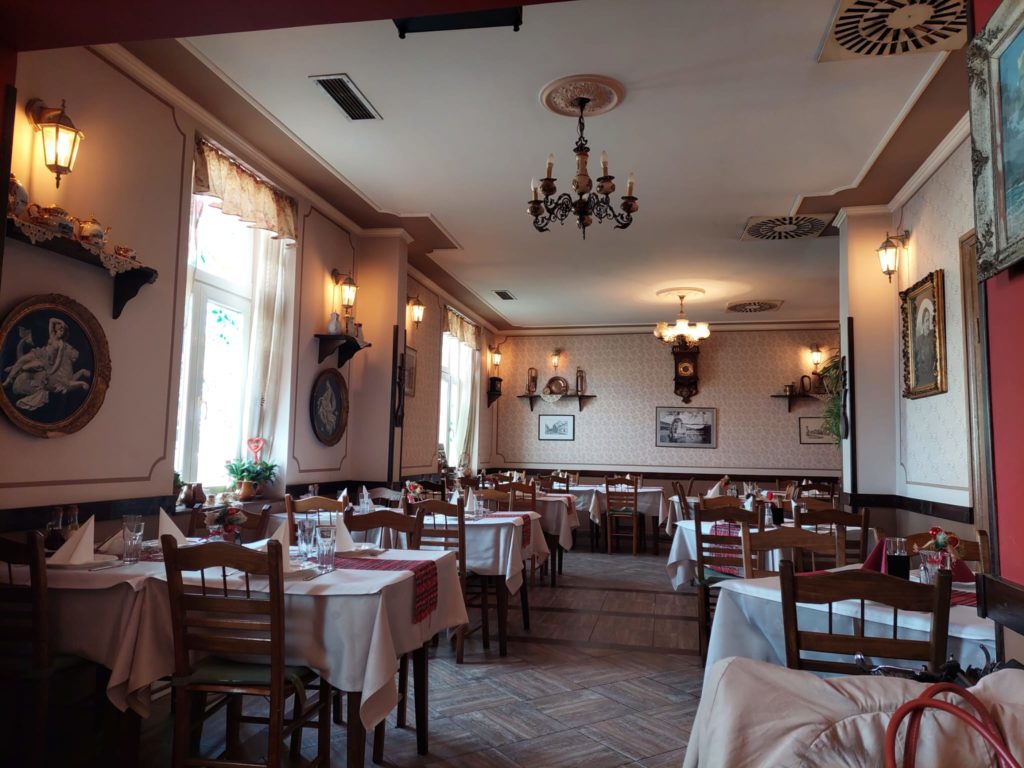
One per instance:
(654, 533)
(378, 743)
(420, 684)
(702, 622)
(524, 605)
(485, 611)
(181, 726)
(561, 553)
(233, 738)
(274, 728)
(295, 748)
(638, 529)
(460, 641)
(356, 742)
(339, 717)
(323, 726)
(609, 528)
(502, 590)
(196, 713)
(403, 689)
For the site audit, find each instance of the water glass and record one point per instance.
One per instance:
(132, 528)
(897, 560)
(325, 545)
(306, 535)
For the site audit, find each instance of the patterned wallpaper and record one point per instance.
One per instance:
(934, 451)
(632, 374)
(419, 436)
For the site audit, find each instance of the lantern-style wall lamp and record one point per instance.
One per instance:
(816, 356)
(348, 290)
(556, 358)
(889, 252)
(416, 309)
(60, 137)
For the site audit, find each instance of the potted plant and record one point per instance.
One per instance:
(177, 485)
(832, 378)
(251, 476)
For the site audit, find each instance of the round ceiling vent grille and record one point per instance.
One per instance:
(892, 27)
(754, 305)
(785, 227)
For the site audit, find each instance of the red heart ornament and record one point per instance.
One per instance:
(256, 447)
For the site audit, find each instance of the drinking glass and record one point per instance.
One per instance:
(306, 535)
(896, 558)
(325, 543)
(54, 536)
(132, 528)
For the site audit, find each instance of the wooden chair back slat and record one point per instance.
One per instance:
(399, 522)
(308, 504)
(681, 493)
(25, 632)
(443, 527)
(856, 549)
(522, 497)
(492, 499)
(386, 497)
(859, 585)
(800, 542)
(718, 550)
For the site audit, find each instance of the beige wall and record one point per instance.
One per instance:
(632, 374)
(422, 410)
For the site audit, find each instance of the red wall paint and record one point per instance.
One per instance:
(983, 10)
(1006, 372)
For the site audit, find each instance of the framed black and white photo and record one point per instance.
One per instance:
(328, 406)
(924, 337)
(54, 365)
(995, 66)
(686, 427)
(409, 365)
(558, 427)
(813, 431)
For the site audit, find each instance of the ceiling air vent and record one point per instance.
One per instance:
(786, 227)
(347, 96)
(505, 295)
(754, 305)
(892, 27)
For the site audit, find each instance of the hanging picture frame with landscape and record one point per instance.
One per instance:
(556, 427)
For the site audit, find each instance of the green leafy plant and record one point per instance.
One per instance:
(832, 378)
(254, 471)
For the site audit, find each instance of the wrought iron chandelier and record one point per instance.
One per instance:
(682, 330)
(588, 205)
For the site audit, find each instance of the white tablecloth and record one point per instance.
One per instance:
(494, 547)
(558, 516)
(593, 500)
(349, 626)
(748, 623)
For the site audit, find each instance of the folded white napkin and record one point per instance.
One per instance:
(470, 501)
(454, 498)
(716, 490)
(364, 493)
(281, 536)
(78, 549)
(114, 545)
(168, 526)
(343, 496)
(343, 539)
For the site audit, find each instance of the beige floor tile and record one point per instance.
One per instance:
(636, 736)
(508, 724)
(675, 605)
(642, 694)
(624, 630)
(564, 750)
(581, 708)
(468, 698)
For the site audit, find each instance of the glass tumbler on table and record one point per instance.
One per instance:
(325, 543)
(132, 528)
(897, 560)
(305, 533)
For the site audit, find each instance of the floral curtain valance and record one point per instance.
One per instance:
(242, 193)
(462, 328)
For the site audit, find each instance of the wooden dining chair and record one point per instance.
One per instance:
(253, 528)
(386, 497)
(806, 546)
(977, 551)
(819, 490)
(623, 506)
(719, 554)
(522, 497)
(308, 505)
(433, 490)
(681, 493)
(491, 499)
(832, 519)
(861, 586)
(214, 627)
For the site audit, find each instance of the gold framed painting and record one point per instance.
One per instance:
(923, 314)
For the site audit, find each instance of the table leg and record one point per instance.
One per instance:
(561, 553)
(524, 604)
(654, 533)
(420, 684)
(356, 754)
(502, 590)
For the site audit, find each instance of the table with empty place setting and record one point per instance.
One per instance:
(592, 500)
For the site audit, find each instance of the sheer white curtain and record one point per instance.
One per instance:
(462, 340)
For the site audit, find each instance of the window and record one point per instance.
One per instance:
(458, 385)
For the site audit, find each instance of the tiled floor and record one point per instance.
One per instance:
(607, 676)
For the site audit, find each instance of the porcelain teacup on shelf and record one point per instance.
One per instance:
(52, 217)
(91, 231)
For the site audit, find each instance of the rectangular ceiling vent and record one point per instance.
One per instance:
(345, 94)
(505, 295)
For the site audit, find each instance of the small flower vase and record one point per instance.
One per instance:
(334, 324)
(215, 532)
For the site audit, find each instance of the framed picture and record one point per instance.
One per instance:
(409, 364)
(995, 66)
(328, 406)
(686, 427)
(550, 427)
(812, 431)
(924, 337)
(54, 365)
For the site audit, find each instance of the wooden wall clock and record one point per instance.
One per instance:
(686, 376)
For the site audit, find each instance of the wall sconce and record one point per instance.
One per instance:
(60, 137)
(556, 357)
(348, 290)
(889, 252)
(816, 356)
(496, 357)
(417, 309)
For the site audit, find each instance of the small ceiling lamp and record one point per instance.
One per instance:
(889, 252)
(60, 137)
(556, 357)
(682, 330)
(417, 309)
(816, 356)
(348, 290)
(574, 96)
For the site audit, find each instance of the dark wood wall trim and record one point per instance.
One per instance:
(952, 512)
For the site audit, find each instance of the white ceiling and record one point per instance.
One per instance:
(727, 115)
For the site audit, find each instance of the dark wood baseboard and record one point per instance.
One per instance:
(951, 512)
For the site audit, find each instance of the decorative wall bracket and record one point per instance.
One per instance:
(346, 345)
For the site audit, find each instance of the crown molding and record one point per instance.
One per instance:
(960, 133)
(860, 210)
(429, 284)
(373, 234)
(642, 330)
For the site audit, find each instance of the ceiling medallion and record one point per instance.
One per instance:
(893, 27)
(586, 94)
(786, 227)
(682, 330)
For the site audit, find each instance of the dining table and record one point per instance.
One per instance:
(559, 519)
(593, 500)
(748, 623)
(349, 625)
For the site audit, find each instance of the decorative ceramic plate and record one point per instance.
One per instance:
(556, 386)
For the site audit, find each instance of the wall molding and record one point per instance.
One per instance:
(952, 512)
(960, 133)
(644, 330)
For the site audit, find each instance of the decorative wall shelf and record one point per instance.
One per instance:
(795, 396)
(129, 275)
(346, 345)
(582, 399)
